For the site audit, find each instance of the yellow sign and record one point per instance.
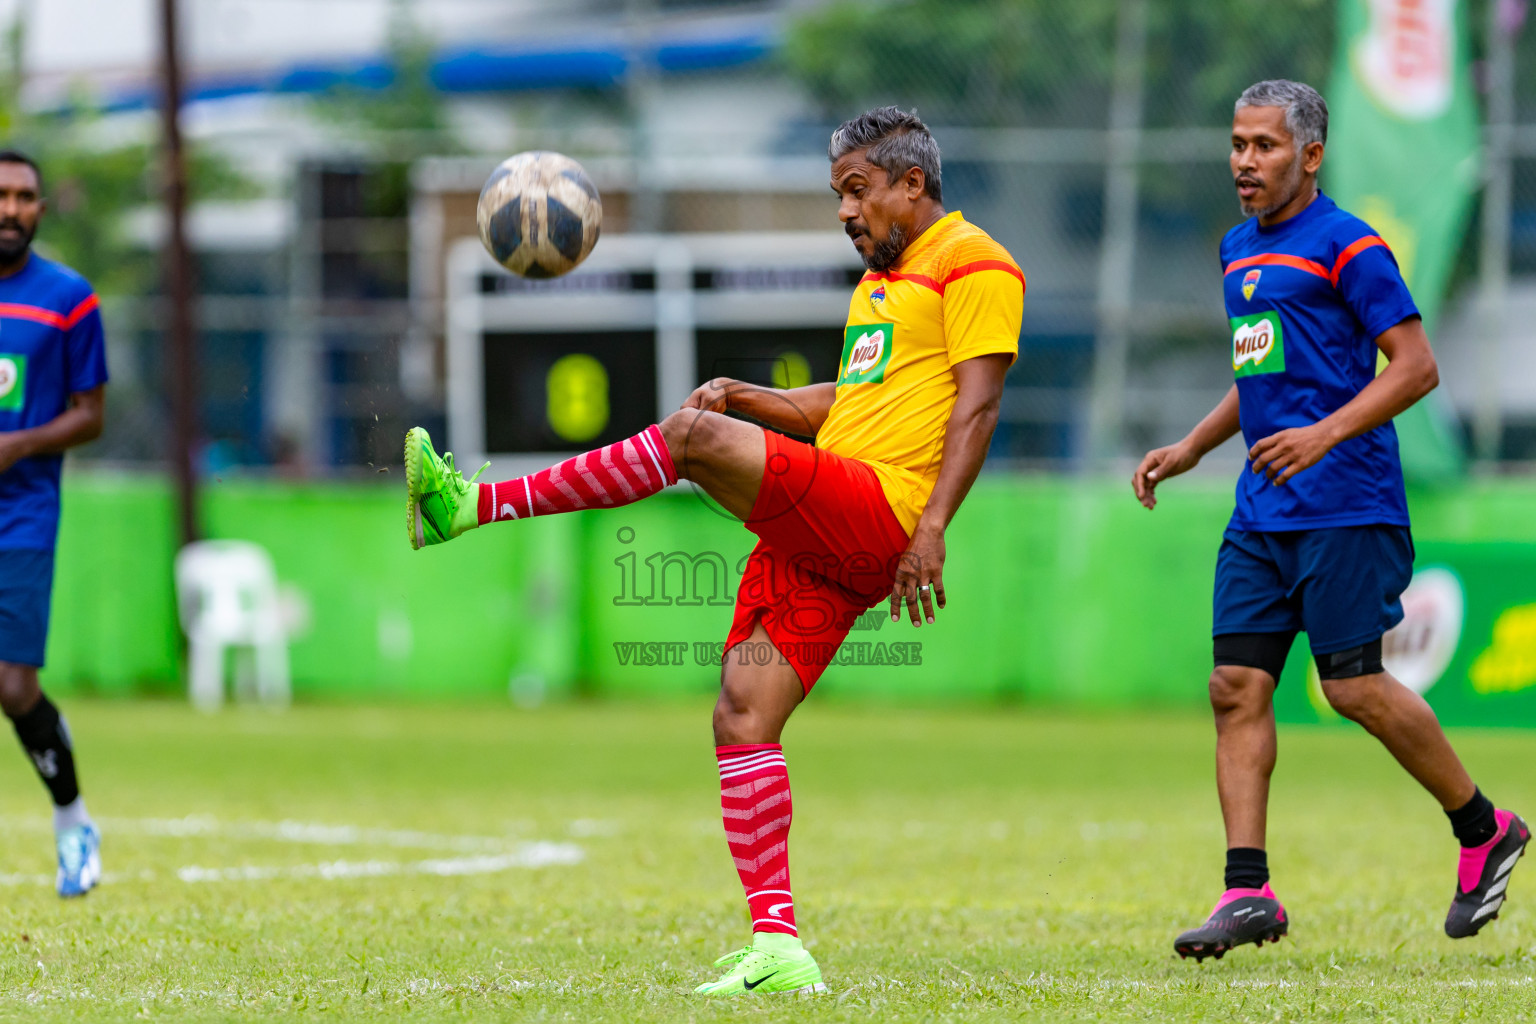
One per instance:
(576, 397)
(1509, 663)
(791, 370)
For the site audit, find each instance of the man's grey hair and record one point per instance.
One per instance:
(897, 141)
(1306, 115)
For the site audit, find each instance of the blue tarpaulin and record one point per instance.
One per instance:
(577, 63)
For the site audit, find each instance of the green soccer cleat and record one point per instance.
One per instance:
(440, 504)
(773, 963)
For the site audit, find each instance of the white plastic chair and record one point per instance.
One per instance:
(226, 593)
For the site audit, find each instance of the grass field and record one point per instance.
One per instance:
(567, 863)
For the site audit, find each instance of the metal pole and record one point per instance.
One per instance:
(1493, 260)
(1117, 250)
(645, 211)
(182, 359)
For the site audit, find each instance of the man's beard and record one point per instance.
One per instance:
(11, 251)
(886, 253)
(1292, 188)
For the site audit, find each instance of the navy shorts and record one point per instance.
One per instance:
(1341, 585)
(26, 587)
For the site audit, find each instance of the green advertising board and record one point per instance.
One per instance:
(1060, 591)
(1467, 641)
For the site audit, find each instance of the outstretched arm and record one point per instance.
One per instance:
(1410, 374)
(979, 393)
(799, 411)
(79, 423)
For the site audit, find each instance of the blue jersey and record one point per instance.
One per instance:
(1307, 299)
(51, 346)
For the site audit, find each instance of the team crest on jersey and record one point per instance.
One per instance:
(1251, 282)
(876, 297)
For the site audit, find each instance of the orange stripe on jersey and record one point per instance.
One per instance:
(18, 311)
(958, 272)
(79, 312)
(980, 265)
(1277, 259)
(1355, 249)
(892, 275)
(63, 321)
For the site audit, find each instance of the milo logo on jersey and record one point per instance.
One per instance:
(866, 352)
(1258, 346)
(13, 382)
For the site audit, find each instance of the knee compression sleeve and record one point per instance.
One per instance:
(1264, 651)
(1364, 660)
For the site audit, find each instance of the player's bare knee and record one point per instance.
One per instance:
(1247, 666)
(1235, 689)
(693, 438)
(735, 723)
(744, 715)
(734, 701)
(726, 723)
(1357, 699)
(677, 425)
(676, 430)
(1344, 697)
(1354, 682)
(18, 689)
(706, 434)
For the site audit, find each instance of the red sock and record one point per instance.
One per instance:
(754, 801)
(623, 472)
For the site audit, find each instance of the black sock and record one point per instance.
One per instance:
(46, 738)
(1474, 823)
(1247, 868)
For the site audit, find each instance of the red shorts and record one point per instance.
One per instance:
(828, 549)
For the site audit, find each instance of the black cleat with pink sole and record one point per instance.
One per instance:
(1240, 916)
(1482, 876)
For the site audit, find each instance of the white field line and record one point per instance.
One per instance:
(531, 855)
(305, 832)
(482, 854)
(287, 831)
(13, 880)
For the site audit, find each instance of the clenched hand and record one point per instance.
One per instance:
(711, 396)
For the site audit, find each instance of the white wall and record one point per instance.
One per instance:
(114, 42)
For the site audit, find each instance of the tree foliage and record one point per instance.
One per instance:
(90, 186)
(398, 121)
(997, 63)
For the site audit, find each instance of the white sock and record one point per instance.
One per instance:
(70, 815)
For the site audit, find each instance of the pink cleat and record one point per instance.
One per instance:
(1483, 875)
(1241, 915)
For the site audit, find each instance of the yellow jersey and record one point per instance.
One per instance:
(955, 294)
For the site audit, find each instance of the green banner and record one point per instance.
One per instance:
(1467, 641)
(1403, 155)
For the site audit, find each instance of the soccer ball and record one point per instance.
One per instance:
(539, 214)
